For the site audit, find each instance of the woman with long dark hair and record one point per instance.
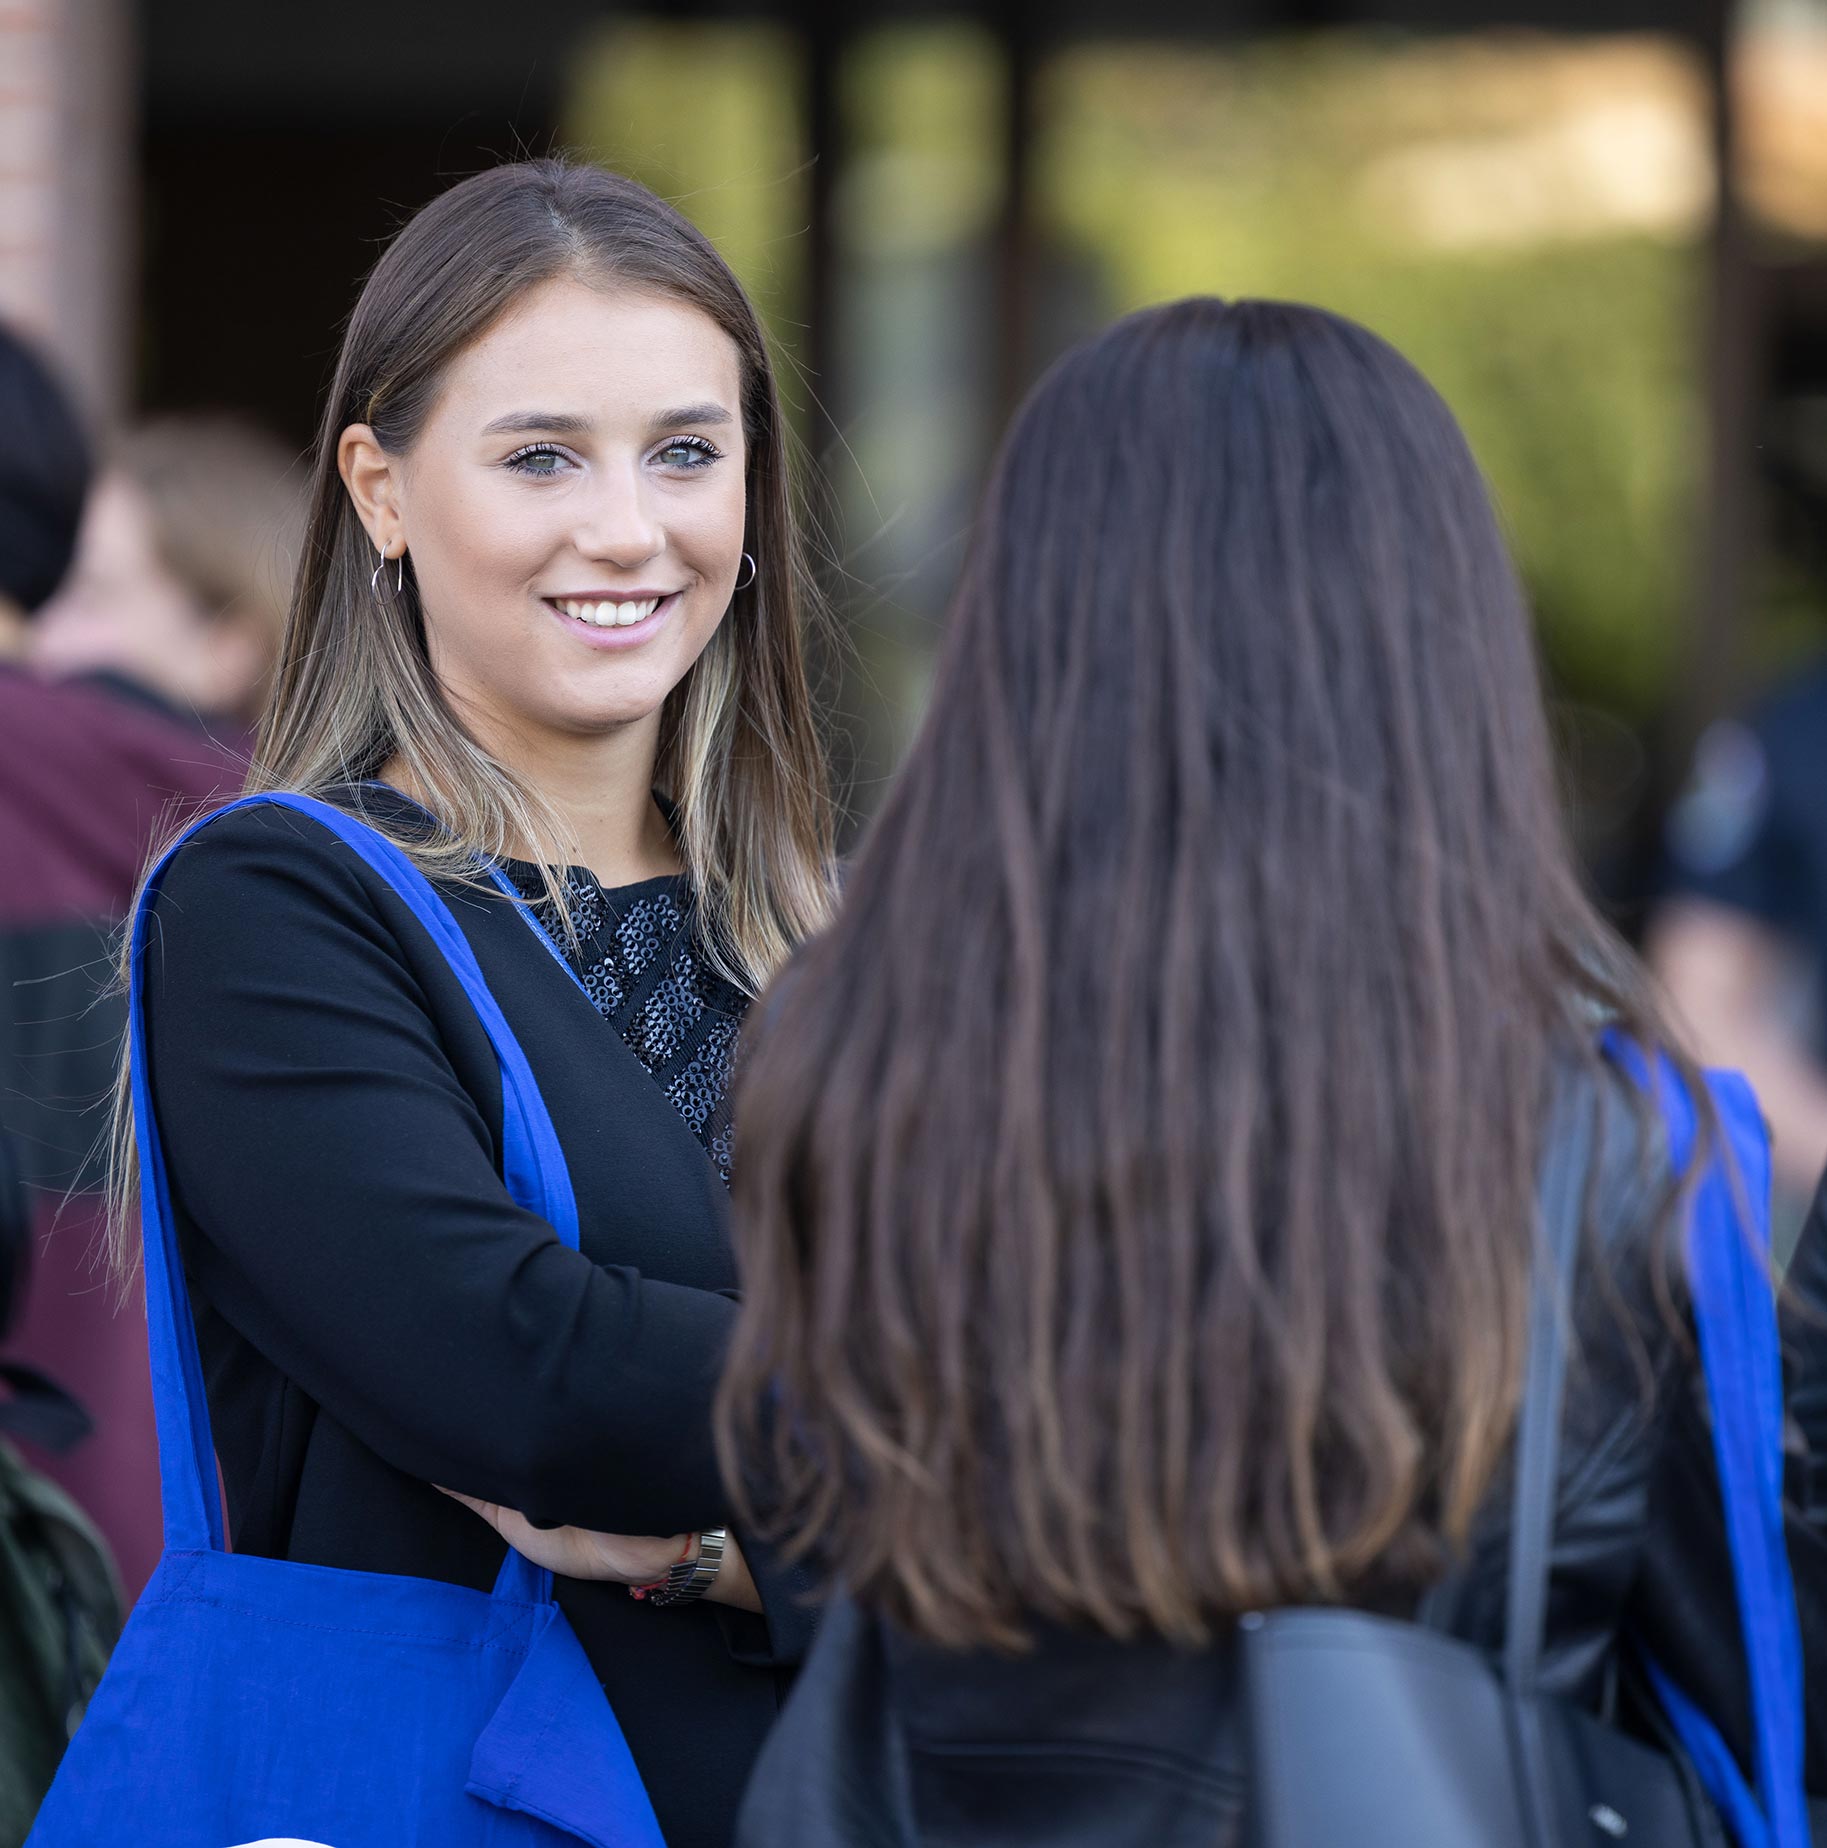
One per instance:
(1136, 1206)
(547, 639)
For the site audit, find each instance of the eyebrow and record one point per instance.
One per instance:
(550, 423)
(566, 423)
(709, 412)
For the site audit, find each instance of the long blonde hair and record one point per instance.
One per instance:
(740, 757)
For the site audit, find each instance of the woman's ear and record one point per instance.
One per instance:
(372, 477)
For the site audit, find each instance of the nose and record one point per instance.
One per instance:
(619, 526)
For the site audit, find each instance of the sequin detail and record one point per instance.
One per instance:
(645, 924)
(638, 957)
(704, 1083)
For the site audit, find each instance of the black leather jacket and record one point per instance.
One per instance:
(886, 1743)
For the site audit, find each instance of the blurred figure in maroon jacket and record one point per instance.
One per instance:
(125, 684)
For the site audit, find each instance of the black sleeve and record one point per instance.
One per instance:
(1686, 1609)
(350, 1222)
(790, 1610)
(1804, 1326)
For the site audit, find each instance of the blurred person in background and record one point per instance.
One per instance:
(182, 572)
(126, 679)
(1138, 1195)
(1740, 936)
(60, 1603)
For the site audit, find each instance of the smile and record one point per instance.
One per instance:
(610, 612)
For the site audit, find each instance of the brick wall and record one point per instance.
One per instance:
(66, 148)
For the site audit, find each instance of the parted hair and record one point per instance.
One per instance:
(740, 755)
(1135, 1186)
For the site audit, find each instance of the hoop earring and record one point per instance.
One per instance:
(742, 583)
(374, 581)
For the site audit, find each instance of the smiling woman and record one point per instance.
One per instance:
(579, 558)
(546, 640)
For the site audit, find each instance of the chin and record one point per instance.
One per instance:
(589, 719)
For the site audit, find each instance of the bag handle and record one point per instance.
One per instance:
(1564, 1164)
(533, 1169)
(1565, 1161)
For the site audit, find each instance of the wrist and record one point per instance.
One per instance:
(692, 1574)
(654, 1569)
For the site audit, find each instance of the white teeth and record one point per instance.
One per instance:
(609, 615)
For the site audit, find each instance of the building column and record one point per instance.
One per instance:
(67, 230)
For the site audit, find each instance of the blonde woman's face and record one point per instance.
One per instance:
(574, 509)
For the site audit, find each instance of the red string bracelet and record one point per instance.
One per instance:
(659, 1584)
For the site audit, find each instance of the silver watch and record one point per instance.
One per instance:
(690, 1579)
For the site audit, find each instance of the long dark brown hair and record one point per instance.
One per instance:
(1135, 1186)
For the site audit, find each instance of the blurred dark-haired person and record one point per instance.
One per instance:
(59, 1601)
(44, 481)
(90, 768)
(1740, 935)
(1138, 1187)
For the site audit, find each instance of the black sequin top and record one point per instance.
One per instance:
(640, 958)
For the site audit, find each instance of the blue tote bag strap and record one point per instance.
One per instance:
(533, 1167)
(508, 889)
(1735, 1317)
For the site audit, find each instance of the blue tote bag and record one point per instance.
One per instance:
(251, 1699)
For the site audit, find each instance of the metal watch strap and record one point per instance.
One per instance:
(690, 1579)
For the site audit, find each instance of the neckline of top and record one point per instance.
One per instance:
(527, 873)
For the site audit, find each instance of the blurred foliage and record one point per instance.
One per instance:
(1523, 216)
(922, 128)
(1568, 352)
(711, 117)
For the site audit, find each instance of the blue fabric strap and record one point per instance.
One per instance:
(533, 1168)
(505, 884)
(1735, 1315)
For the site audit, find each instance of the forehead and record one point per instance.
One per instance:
(605, 353)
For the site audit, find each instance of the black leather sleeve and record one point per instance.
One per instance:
(1804, 1325)
(1804, 1320)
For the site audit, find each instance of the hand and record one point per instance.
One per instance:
(622, 1559)
(577, 1552)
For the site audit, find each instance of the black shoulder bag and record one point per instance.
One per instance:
(1369, 1732)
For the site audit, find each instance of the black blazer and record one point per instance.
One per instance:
(1087, 1742)
(376, 1315)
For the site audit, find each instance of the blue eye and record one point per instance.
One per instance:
(538, 459)
(689, 452)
